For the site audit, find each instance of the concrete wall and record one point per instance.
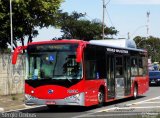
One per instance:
(11, 76)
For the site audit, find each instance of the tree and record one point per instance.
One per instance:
(73, 26)
(140, 41)
(27, 15)
(151, 44)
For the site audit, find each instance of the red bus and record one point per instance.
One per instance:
(75, 72)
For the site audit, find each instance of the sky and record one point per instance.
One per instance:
(125, 15)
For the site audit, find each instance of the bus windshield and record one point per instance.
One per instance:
(54, 63)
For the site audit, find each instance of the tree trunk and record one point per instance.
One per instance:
(22, 40)
(30, 38)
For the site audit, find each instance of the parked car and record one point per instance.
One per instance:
(154, 77)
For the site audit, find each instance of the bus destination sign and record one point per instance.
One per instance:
(117, 50)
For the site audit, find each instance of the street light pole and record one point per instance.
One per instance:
(103, 19)
(138, 28)
(11, 26)
(148, 14)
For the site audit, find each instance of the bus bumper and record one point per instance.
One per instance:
(77, 100)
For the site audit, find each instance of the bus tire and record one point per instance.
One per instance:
(101, 97)
(135, 91)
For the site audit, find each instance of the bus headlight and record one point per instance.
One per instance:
(29, 97)
(74, 98)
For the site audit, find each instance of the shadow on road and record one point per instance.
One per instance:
(69, 109)
(123, 100)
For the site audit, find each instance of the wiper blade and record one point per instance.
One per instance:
(68, 79)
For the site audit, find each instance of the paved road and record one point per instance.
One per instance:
(146, 105)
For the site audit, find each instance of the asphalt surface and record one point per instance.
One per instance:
(147, 105)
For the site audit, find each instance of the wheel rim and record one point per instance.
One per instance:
(100, 97)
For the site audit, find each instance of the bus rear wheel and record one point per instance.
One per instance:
(101, 98)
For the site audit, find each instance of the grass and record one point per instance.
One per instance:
(14, 97)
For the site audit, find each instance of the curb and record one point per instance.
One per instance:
(1, 110)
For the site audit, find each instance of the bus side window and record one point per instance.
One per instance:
(90, 69)
(119, 66)
(100, 63)
(134, 69)
(145, 65)
(95, 62)
(140, 67)
(90, 62)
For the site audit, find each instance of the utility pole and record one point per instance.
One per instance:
(11, 25)
(11, 29)
(104, 6)
(148, 14)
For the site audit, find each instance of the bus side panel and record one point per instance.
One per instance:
(143, 84)
(91, 91)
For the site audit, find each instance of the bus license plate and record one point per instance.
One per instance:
(50, 102)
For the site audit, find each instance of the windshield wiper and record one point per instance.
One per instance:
(68, 79)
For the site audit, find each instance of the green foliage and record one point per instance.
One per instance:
(151, 44)
(73, 26)
(27, 15)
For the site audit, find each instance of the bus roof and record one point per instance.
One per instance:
(57, 41)
(117, 43)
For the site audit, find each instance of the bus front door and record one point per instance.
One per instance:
(119, 77)
(110, 77)
(127, 75)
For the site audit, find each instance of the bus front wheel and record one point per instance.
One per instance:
(101, 97)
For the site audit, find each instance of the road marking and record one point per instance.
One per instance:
(116, 108)
(144, 101)
(140, 102)
(128, 108)
(26, 108)
(114, 115)
(84, 115)
(105, 110)
(107, 115)
(145, 107)
(152, 102)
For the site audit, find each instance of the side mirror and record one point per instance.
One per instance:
(16, 53)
